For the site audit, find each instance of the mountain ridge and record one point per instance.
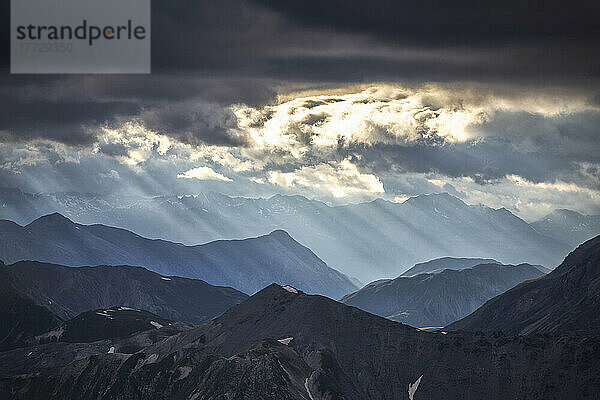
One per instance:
(284, 344)
(437, 299)
(532, 307)
(246, 264)
(385, 236)
(68, 291)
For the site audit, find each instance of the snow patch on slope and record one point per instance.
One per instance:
(412, 388)
(291, 289)
(285, 341)
(156, 324)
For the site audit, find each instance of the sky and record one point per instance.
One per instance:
(342, 101)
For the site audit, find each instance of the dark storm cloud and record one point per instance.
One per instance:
(244, 51)
(68, 121)
(207, 55)
(444, 22)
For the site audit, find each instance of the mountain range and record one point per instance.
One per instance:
(569, 226)
(442, 263)
(67, 291)
(284, 344)
(247, 265)
(437, 298)
(367, 241)
(564, 301)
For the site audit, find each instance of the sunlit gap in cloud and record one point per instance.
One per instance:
(349, 145)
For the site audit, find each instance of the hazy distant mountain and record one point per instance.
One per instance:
(247, 265)
(68, 291)
(440, 264)
(564, 301)
(569, 226)
(437, 299)
(367, 241)
(284, 344)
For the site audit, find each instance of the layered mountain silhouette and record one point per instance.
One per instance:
(284, 344)
(442, 263)
(247, 265)
(564, 301)
(67, 292)
(437, 299)
(368, 241)
(569, 226)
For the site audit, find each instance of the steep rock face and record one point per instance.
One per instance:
(368, 241)
(67, 291)
(569, 226)
(437, 299)
(565, 300)
(310, 347)
(247, 265)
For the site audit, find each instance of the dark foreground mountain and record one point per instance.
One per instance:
(67, 292)
(284, 344)
(21, 319)
(565, 300)
(569, 226)
(440, 264)
(437, 299)
(367, 240)
(101, 324)
(70, 341)
(247, 265)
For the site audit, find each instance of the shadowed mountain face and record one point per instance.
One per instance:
(284, 344)
(437, 299)
(569, 226)
(67, 291)
(440, 264)
(368, 241)
(565, 300)
(101, 324)
(22, 319)
(247, 265)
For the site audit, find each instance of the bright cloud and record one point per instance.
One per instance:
(301, 127)
(132, 143)
(204, 174)
(530, 152)
(339, 179)
(529, 199)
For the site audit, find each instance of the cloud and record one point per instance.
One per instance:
(340, 179)
(203, 174)
(342, 144)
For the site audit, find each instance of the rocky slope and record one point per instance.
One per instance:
(438, 299)
(284, 344)
(566, 300)
(101, 324)
(247, 265)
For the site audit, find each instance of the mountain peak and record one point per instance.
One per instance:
(435, 198)
(280, 234)
(52, 218)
